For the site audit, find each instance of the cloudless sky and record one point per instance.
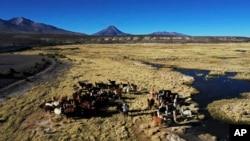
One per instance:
(192, 17)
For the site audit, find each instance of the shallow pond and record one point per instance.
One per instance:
(211, 89)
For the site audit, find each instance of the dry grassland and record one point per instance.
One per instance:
(232, 110)
(21, 118)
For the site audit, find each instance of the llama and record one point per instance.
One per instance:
(47, 106)
(125, 109)
(58, 111)
(158, 120)
(153, 92)
(175, 101)
(69, 110)
(151, 103)
(126, 89)
(186, 113)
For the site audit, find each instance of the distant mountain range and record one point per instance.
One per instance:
(114, 31)
(21, 25)
(168, 33)
(25, 26)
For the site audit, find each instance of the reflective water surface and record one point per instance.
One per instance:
(211, 89)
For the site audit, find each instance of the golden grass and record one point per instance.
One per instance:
(231, 110)
(245, 95)
(21, 119)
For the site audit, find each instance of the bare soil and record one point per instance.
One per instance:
(14, 67)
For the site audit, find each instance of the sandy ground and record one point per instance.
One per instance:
(123, 63)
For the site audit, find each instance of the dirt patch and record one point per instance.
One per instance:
(14, 85)
(15, 67)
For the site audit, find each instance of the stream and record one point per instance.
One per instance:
(220, 87)
(211, 89)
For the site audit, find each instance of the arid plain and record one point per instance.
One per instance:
(22, 119)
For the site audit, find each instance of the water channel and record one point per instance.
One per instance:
(210, 89)
(221, 87)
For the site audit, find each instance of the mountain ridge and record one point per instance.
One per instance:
(26, 26)
(22, 25)
(168, 33)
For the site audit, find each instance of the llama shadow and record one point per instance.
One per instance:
(101, 113)
(139, 112)
(127, 98)
(143, 91)
(2, 121)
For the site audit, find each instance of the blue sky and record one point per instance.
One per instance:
(192, 17)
